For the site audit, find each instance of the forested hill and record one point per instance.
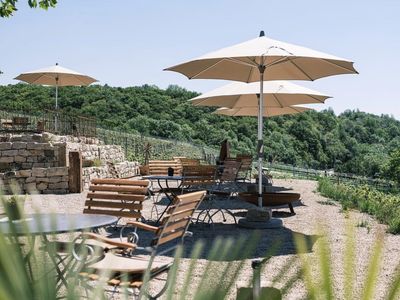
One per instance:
(353, 142)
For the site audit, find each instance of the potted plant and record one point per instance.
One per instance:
(14, 207)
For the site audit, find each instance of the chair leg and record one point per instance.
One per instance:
(291, 208)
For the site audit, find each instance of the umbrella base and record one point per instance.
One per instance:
(269, 224)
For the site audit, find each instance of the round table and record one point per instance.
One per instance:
(43, 224)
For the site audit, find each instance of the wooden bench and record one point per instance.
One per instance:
(122, 198)
(160, 167)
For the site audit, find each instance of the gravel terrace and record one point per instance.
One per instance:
(312, 214)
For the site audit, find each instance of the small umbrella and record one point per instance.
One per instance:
(264, 58)
(253, 111)
(55, 76)
(277, 93)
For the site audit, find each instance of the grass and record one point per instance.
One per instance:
(385, 207)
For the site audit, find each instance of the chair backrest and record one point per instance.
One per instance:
(189, 161)
(160, 167)
(198, 175)
(230, 171)
(116, 197)
(246, 165)
(177, 219)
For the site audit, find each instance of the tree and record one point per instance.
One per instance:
(8, 7)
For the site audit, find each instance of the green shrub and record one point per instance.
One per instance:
(385, 207)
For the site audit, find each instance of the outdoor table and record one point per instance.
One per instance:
(48, 224)
(162, 181)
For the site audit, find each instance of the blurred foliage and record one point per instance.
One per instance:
(8, 7)
(353, 142)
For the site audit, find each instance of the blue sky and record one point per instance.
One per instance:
(126, 43)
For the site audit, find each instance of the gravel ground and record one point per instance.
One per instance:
(312, 215)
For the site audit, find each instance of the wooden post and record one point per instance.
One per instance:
(75, 172)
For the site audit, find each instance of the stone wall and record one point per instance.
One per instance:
(38, 163)
(91, 152)
(23, 153)
(119, 170)
(36, 180)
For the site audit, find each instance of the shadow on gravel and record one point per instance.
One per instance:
(273, 242)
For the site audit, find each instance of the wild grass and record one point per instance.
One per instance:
(385, 207)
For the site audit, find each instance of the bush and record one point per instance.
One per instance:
(385, 207)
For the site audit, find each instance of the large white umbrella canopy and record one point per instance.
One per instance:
(56, 76)
(264, 58)
(267, 111)
(282, 61)
(277, 94)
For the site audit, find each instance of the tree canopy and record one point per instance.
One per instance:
(353, 142)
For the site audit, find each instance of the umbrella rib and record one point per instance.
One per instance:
(276, 98)
(332, 63)
(281, 60)
(206, 69)
(300, 69)
(320, 101)
(251, 64)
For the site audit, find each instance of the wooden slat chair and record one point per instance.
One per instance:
(189, 162)
(120, 264)
(160, 167)
(122, 198)
(198, 177)
(245, 167)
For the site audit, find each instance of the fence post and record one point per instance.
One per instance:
(75, 172)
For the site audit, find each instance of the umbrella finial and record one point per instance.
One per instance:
(262, 33)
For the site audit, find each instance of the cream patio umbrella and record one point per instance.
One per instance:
(252, 111)
(55, 76)
(277, 93)
(262, 59)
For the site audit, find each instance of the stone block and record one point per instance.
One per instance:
(59, 171)
(49, 153)
(19, 145)
(31, 187)
(41, 186)
(26, 166)
(24, 152)
(9, 153)
(39, 172)
(42, 179)
(36, 146)
(55, 179)
(20, 159)
(32, 159)
(5, 146)
(58, 185)
(38, 165)
(6, 159)
(30, 179)
(24, 173)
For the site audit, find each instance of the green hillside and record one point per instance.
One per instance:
(353, 142)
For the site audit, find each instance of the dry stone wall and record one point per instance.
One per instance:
(37, 180)
(119, 170)
(39, 162)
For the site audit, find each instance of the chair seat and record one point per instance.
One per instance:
(136, 264)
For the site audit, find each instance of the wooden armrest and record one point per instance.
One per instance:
(143, 226)
(94, 236)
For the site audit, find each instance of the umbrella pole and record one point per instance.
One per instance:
(55, 118)
(260, 145)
